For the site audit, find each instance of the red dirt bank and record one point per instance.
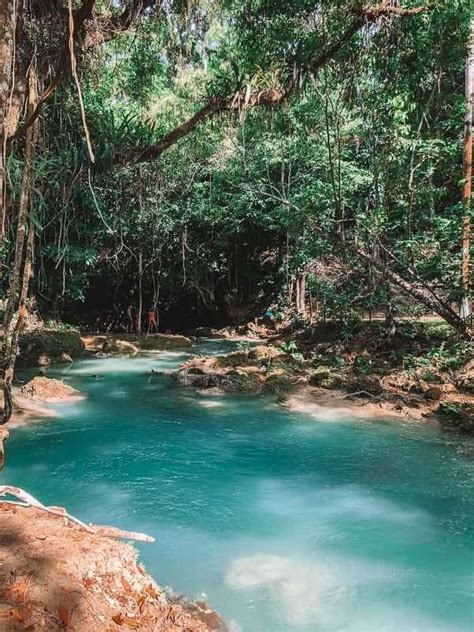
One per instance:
(55, 576)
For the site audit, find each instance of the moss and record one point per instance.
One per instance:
(51, 343)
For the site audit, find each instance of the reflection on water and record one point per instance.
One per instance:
(284, 522)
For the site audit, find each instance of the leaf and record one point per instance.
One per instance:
(118, 618)
(64, 614)
(126, 585)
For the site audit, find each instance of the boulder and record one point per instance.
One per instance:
(433, 394)
(326, 379)
(113, 345)
(43, 360)
(46, 389)
(365, 383)
(39, 344)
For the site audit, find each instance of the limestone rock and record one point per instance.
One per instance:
(37, 344)
(46, 389)
(113, 345)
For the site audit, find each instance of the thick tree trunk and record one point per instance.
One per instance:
(15, 272)
(465, 308)
(20, 272)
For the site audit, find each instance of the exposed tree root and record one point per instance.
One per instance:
(27, 500)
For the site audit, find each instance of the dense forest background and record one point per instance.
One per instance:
(213, 158)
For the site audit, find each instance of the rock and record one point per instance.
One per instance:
(236, 358)
(112, 345)
(366, 383)
(279, 383)
(43, 360)
(433, 394)
(49, 342)
(457, 417)
(48, 390)
(325, 379)
(263, 353)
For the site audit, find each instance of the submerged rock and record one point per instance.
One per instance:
(162, 342)
(46, 389)
(457, 416)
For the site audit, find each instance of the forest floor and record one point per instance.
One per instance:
(56, 576)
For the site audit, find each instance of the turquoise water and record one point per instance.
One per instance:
(283, 521)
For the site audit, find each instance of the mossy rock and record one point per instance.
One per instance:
(365, 383)
(162, 342)
(51, 343)
(240, 382)
(113, 345)
(279, 384)
(326, 379)
(457, 417)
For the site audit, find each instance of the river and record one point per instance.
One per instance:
(284, 522)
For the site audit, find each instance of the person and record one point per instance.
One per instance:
(152, 320)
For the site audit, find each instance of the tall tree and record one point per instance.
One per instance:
(465, 310)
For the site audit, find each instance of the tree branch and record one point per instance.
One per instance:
(272, 97)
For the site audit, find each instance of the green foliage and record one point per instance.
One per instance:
(366, 155)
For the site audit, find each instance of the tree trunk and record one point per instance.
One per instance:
(15, 272)
(423, 295)
(20, 273)
(140, 293)
(7, 29)
(301, 293)
(465, 308)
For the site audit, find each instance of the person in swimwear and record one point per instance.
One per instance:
(152, 320)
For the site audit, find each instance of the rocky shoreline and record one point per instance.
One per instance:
(331, 380)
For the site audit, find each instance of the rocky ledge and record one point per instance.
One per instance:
(444, 395)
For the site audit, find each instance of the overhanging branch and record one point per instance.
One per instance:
(272, 97)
